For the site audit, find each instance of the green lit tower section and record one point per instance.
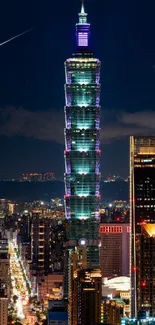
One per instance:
(82, 144)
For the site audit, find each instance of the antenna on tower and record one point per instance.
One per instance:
(82, 7)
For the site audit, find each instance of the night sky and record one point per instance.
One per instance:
(32, 79)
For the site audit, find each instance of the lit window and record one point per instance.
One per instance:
(83, 39)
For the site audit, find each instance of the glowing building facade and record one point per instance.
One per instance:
(146, 270)
(114, 249)
(82, 143)
(142, 203)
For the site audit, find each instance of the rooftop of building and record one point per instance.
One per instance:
(139, 321)
(121, 283)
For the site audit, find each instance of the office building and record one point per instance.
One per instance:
(146, 270)
(77, 261)
(4, 266)
(3, 244)
(57, 313)
(84, 290)
(86, 297)
(3, 308)
(37, 177)
(49, 286)
(47, 238)
(138, 321)
(116, 287)
(142, 200)
(48, 177)
(112, 310)
(24, 227)
(82, 144)
(114, 249)
(5, 274)
(47, 257)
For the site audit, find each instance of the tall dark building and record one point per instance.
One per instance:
(25, 228)
(57, 313)
(86, 297)
(82, 143)
(142, 201)
(47, 238)
(146, 270)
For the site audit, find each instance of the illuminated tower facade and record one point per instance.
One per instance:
(82, 144)
(142, 203)
(146, 270)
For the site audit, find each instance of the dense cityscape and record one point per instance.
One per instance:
(80, 249)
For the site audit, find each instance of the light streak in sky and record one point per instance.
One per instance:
(12, 38)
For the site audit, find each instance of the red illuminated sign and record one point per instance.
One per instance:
(128, 228)
(111, 229)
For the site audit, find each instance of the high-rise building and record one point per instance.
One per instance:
(86, 297)
(4, 266)
(143, 320)
(5, 273)
(112, 310)
(84, 290)
(114, 249)
(47, 256)
(82, 143)
(37, 177)
(146, 270)
(57, 313)
(3, 244)
(47, 238)
(24, 227)
(77, 261)
(142, 200)
(3, 308)
(48, 177)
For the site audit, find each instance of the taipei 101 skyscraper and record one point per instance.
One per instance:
(82, 144)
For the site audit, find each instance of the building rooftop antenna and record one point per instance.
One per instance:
(82, 7)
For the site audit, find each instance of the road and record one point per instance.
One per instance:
(20, 292)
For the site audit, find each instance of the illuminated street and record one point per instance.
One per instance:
(20, 294)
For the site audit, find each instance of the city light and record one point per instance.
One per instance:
(121, 283)
(19, 287)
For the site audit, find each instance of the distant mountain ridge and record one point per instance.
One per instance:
(27, 192)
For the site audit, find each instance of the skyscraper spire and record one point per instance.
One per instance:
(82, 7)
(82, 15)
(82, 29)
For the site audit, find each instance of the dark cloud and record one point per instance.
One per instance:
(144, 119)
(49, 125)
(43, 125)
(123, 124)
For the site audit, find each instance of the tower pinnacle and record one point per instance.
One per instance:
(82, 15)
(82, 7)
(82, 29)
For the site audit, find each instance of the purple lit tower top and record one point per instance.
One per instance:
(82, 29)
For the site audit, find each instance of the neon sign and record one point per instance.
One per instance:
(127, 228)
(111, 229)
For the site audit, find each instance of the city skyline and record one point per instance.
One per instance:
(75, 249)
(31, 105)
